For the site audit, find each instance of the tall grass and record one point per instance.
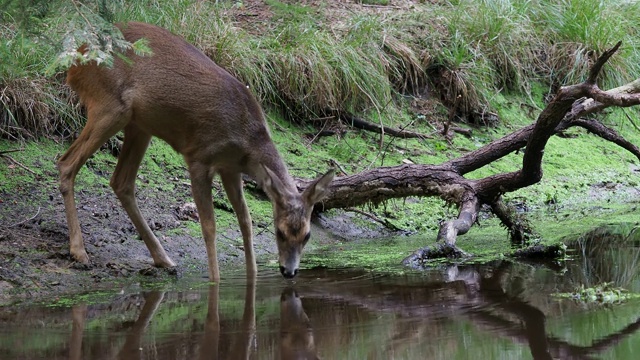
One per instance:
(305, 62)
(33, 105)
(578, 31)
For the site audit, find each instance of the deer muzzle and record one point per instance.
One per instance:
(289, 263)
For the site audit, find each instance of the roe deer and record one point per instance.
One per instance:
(181, 96)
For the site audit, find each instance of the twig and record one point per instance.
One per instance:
(10, 151)
(380, 6)
(384, 222)
(335, 164)
(391, 142)
(29, 219)
(318, 133)
(75, 4)
(18, 163)
(630, 120)
(452, 114)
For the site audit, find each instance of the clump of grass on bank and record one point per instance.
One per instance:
(577, 32)
(306, 61)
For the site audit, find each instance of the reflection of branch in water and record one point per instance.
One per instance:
(606, 342)
(296, 335)
(472, 293)
(533, 332)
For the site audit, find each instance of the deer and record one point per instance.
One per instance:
(181, 96)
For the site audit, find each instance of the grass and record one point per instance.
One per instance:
(308, 60)
(503, 56)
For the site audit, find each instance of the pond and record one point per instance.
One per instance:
(501, 310)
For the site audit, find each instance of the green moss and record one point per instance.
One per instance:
(486, 241)
(604, 293)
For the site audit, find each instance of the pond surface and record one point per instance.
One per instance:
(502, 310)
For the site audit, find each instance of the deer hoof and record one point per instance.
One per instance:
(164, 263)
(80, 256)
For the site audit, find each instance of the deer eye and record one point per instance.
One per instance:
(306, 238)
(280, 235)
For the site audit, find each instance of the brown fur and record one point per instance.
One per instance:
(179, 95)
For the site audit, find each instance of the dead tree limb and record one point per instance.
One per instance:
(447, 181)
(606, 133)
(359, 123)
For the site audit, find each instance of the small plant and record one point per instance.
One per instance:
(604, 293)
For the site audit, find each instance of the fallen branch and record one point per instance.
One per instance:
(358, 123)
(18, 163)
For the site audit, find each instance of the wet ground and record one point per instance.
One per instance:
(502, 310)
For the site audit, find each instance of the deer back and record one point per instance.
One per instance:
(181, 96)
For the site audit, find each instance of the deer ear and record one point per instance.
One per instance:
(319, 189)
(273, 186)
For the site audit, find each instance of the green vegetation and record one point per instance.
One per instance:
(604, 293)
(304, 63)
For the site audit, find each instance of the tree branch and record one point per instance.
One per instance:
(358, 123)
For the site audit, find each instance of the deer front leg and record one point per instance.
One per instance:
(201, 177)
(232, 182)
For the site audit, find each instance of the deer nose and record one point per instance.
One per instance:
(287, 273)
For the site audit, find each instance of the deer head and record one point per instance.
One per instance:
(292, 217)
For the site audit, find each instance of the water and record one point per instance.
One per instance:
(502, 310)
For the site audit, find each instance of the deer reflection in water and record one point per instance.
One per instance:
(244, 343)
(296, 335)
(133, 342)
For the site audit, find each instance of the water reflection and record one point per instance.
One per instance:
(602, 260)
(296, 334)
(493, 311)
(133, 343)
(243, 340)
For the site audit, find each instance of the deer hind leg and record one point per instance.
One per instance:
(123, 184)
(201, 178)
(232, 182)
(102, 123)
